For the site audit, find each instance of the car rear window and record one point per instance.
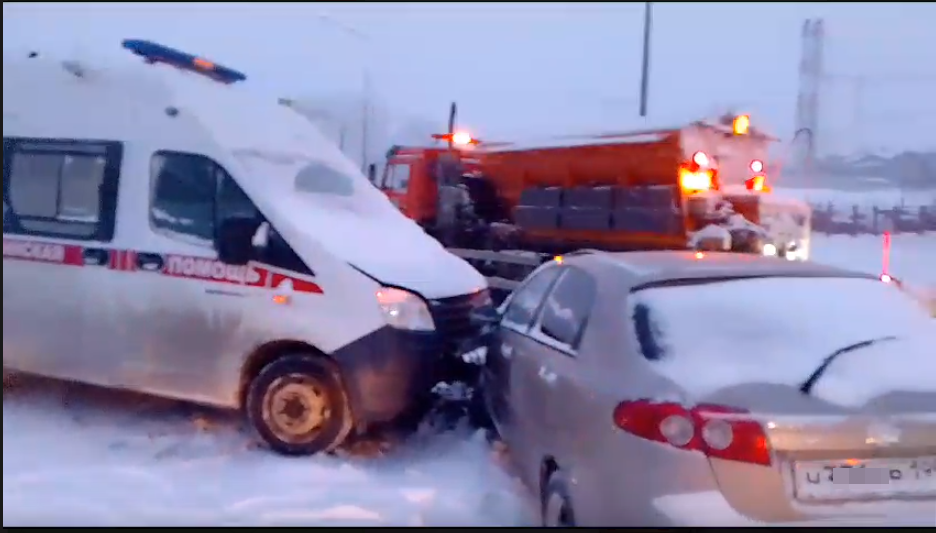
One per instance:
(780, 320)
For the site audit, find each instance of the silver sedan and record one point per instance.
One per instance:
(676, 389)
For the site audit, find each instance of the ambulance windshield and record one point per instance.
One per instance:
(322, 179)
(308, 175)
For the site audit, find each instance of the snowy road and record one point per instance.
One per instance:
(81, 456)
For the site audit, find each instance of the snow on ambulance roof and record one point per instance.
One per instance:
(130, 101)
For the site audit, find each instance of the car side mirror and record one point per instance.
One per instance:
(234, 240)
(372, 173)
(485, 318)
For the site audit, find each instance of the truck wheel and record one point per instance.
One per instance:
(557, 505)
(297, 406)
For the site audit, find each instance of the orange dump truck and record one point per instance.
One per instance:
(700, 185)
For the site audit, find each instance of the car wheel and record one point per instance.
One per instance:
(297, 405)
(557, 505)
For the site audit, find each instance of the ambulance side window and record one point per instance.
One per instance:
(191, 195)
(184, 188)
(60, 187)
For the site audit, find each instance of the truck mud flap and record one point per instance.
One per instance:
(586, 219)
(589, 197)
(530, 217)
(645, 220)
(541, 197)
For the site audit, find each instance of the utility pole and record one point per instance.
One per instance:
(811, 74)
(645, 66)
(453, 116)
(365, 118)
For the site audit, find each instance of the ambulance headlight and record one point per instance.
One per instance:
(404, 310)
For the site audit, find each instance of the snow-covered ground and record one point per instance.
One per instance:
(82, 456)
(76, 455)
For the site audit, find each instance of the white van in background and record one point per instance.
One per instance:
(167, 231)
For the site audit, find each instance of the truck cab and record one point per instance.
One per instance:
(412, 175)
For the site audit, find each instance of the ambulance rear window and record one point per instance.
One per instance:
(57, 187)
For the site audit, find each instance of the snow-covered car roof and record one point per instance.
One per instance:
(652, 267)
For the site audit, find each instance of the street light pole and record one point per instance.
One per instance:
(365, 83)
(645, 66)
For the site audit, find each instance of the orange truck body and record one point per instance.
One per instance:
(640, 160)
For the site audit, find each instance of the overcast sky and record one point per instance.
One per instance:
(518, 70)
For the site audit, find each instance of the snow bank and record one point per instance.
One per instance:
(882, 198)
(780, 330)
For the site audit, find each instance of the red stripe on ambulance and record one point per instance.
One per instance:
(43, 252)
(282, 281)
(129, 261)
(176, 266)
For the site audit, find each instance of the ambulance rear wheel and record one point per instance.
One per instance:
(297, 405)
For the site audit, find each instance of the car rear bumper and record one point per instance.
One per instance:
(711, 509)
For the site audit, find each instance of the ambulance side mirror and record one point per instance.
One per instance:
(234, 240)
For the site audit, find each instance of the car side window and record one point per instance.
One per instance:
(60, 187)
(567, 308)
(527, 299)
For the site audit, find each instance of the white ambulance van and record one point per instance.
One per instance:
(167, 230)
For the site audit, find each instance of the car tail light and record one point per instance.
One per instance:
(716, 431)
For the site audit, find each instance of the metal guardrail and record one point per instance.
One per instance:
(506, 256)
(514, 258)
(502, 284)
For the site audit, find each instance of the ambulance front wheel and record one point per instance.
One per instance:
(297, 405)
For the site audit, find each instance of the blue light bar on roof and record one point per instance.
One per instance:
(156, 53)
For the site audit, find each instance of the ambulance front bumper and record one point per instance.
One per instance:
(390, 372)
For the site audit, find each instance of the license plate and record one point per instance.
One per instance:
(872, 478)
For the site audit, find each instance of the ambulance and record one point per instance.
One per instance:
(170, 230)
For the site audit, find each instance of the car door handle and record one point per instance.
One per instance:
(507, 350)
(546, 375)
